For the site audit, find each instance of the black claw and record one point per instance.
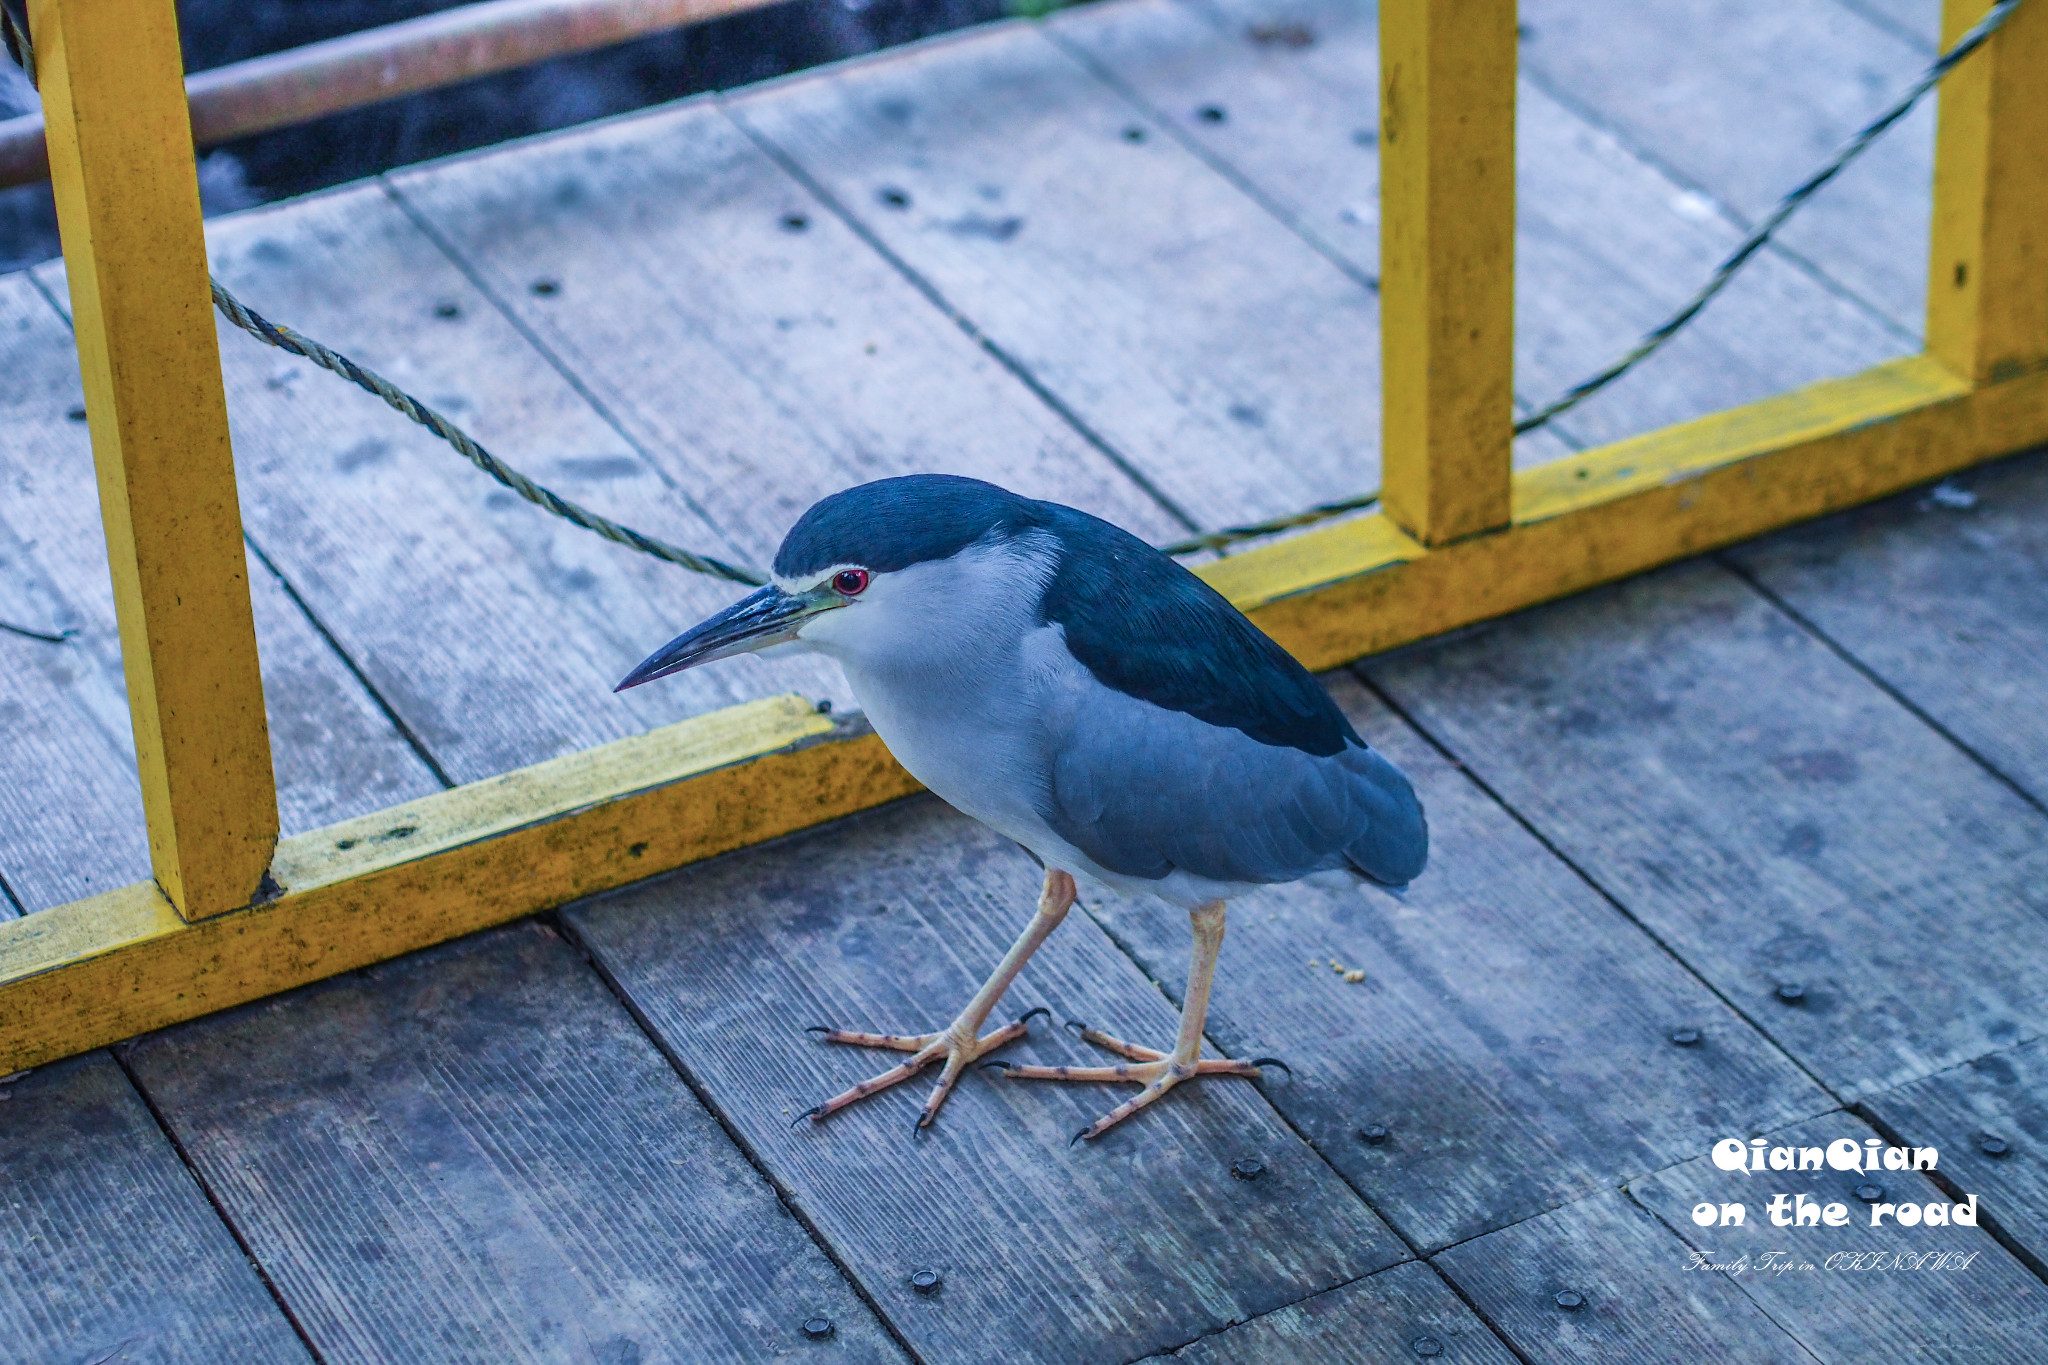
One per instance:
(1078, 1136)
(917, 1129)
(1274, 1061)
(813, 1113)
(1025, 1017)
(819, 1028)
(1003, 1067)
(1077, 1026)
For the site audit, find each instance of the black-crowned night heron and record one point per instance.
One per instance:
(1074, 689)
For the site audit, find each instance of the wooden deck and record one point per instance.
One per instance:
(1124, 258)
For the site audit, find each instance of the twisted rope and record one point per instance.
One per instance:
(285, 339)
(48, 637)
(1230, 535)
(1653, 340)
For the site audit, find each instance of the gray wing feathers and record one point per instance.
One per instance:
(1142, 791)
(1394, 845)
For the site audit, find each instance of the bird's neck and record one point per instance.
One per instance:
(947, 676)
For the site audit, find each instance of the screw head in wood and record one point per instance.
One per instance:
(1373, 1134)
(1685, 1037)
(547, 287)
(1791, 992)
(1870, 1191)
(926, 1281)
(817, 1329)
(1570, 1300)
(1990, 1144)
(1427, 1346)
(1282, 35)
(1247, 1168)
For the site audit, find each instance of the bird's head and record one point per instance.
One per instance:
(870, 567)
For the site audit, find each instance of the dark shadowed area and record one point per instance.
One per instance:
(712, 56)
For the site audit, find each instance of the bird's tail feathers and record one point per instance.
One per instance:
(1394, 846)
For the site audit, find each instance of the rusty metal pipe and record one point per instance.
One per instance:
(310, 82)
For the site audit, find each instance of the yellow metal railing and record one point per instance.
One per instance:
(234, 914)
(1447, 266)
(120, 143)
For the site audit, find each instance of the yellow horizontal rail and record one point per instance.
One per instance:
(1353, 589)
(99, 970)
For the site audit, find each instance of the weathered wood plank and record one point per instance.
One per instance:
(71, 804)
(1640, 1306)
(473, 1153)
(1764, 810)
(1394, 1315)
(108, 1250)
(1746, 98)
(1049, 1251)
(1220, 353)
(758, 350)
(493, 630)
(1900, 1302)
(1455, 1042)
(2002, 1096)
(1944, 602)
(1606, 244)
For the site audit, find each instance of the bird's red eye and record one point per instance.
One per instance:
(850, 582)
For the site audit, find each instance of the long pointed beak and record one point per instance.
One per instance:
(768, 617)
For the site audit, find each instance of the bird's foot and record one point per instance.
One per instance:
(956, 1044)
(1158, 1072)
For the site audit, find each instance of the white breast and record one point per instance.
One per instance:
(942, 660)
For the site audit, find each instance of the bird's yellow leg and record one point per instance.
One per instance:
(960, 1042)
(1158, 1072)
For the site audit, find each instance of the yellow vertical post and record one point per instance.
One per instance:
(1447, 263)
(120, 143)
(1987, 286)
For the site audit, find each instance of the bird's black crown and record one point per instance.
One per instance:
(893, 523)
